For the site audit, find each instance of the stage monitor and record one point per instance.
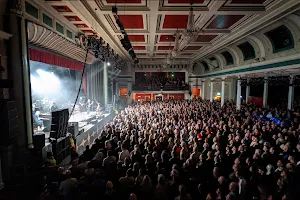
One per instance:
(59, 123)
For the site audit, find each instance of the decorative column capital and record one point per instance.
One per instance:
(15, 7)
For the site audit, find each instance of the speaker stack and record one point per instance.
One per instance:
(61, 149)
(60, 143)
(8, 121)
(59, 123)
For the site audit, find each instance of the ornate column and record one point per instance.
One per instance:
(265, 95)
(18, 71)
(129, 89)
(223, 92)
(211, 90)
(247, 90)
(203, 89)
(291, 93)
(117, 93)
(238, 94)
(234, 88)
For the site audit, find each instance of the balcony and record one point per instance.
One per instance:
(138, 87)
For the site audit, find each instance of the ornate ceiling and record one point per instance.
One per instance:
(151, 24)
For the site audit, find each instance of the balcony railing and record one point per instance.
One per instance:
(158, 88)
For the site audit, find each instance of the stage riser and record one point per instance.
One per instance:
(89, 136)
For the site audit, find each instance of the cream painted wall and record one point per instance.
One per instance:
(261, 44)
(217, 88)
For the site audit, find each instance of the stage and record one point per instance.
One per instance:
(90, 127)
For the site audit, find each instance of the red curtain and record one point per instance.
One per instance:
(45, 57)
(51, 59)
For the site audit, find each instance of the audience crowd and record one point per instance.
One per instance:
(158, 82)
(184, 150)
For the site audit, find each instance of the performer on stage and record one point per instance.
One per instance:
(89, 104)
(81, 104)
(38, 122)
(53, 107)
(98, 109)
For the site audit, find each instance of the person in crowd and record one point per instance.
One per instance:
(50, 160)
(190, 149)
(67, 187)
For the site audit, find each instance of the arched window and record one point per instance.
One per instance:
(214, 62)
(206, 68)
(248, 50)
(281, 39)
(228, 57)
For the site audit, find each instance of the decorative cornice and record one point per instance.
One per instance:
(259, 68)
(42, 37)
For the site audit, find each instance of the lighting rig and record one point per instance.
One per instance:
(125, 40)
(102, 51)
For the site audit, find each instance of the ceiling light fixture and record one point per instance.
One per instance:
(190, 34)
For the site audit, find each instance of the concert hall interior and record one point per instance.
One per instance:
(149, 99)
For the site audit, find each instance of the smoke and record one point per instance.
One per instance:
(53, 84)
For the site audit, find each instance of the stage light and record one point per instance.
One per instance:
(45, 83)
(173, 75)
(218, 93)
(108, 63)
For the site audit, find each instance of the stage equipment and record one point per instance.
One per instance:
(125, 41)
(8, 121)
(39, 140)
(59, 123)
(61, 149)
(73, 128)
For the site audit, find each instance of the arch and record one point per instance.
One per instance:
(215, 63)
(210, 66)
(247, 50)
(202, 68)
(235, 55)
(229, 60)
(262, 51)
(220, 60)
(205, 65)
(281, 38)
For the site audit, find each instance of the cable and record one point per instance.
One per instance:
(84, 66)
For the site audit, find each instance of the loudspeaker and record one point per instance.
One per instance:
(60, 122)
(8, 120)
(39, 140)
(61, 149)
(73, 129)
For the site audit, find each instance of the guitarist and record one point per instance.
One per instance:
(89, 104)
(81, 104)
(98, 109)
